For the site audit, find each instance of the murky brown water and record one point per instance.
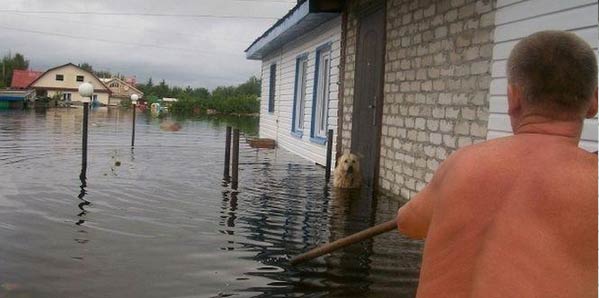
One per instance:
(163, 223)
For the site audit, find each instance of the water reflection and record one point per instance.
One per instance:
(190, 234)
(81, 196)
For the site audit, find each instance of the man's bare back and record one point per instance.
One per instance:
(506, 221)
(516, 216)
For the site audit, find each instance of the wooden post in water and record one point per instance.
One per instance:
(329, 155)
(227, 152)
(235, 161)
(84, 137)
(133, 126)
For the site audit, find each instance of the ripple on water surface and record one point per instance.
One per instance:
(158, 221)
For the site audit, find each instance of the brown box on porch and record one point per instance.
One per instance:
(262, 143)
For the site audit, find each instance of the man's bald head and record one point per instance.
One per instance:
(556, 72)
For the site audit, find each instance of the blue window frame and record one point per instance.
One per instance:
(320, 102)
(299, 96)
(272, 88)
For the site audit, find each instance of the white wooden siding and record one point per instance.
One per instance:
(277, 125)
(517, 19)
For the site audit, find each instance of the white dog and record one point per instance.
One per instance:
(347, 172)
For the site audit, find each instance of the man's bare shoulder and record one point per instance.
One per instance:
(476, 158)
(517, 148)
(497, 162)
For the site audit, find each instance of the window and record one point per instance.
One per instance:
(66, 96)
(272, 88)
(59, 77)
(299, 99)
(79, 78)
(320, 105)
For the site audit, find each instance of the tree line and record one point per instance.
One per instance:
(9, 63)
(239, 99)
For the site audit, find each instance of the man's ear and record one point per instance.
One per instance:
(592, 111)
(514, 100)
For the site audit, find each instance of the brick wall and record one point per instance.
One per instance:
(436, 89)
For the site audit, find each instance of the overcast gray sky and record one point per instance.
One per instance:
(196, 51)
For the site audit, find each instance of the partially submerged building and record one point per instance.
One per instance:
(120, 90)
(300, 74)
(15, 99)
(417, 79)
(63, 81)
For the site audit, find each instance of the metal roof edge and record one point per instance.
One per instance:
(294, 16)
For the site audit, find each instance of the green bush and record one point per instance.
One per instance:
(238, 104)
(240, 99)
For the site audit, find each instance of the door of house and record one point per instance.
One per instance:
(368, 98)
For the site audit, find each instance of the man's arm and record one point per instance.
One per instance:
(414, 218)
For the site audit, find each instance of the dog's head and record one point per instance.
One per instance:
(348, 164)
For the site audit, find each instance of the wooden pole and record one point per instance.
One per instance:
(84, 137)
(235, 161)
(227, 151)
(133, 129)
(329, 155)
(346, 241)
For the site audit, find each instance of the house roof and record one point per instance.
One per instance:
(21, 78)
(71, 64)
(305, 16)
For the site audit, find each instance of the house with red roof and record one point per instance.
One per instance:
(21, 78)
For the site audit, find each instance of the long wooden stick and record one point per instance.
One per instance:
(346, 241)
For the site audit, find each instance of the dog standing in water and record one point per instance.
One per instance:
(347, 172)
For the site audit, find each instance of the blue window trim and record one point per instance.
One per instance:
(294, 130)
(318, 140)
(313, 137)
(272, 93)
(298, 134)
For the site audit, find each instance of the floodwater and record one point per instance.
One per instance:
(159, 221)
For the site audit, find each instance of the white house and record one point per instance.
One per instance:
(517, 19)
(64, 81)
(300, 57)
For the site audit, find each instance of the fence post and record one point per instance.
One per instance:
(329, 154)
(227, 152)
(235, 174)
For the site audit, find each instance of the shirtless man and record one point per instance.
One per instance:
(517, 216)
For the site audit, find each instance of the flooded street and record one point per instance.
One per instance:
(159, 221)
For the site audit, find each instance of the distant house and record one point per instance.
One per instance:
(300, 72)
(22, 78)
(121, 90)
(64, 81)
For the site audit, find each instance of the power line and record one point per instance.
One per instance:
(124, 29)
(115, 41)
(100, 13)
